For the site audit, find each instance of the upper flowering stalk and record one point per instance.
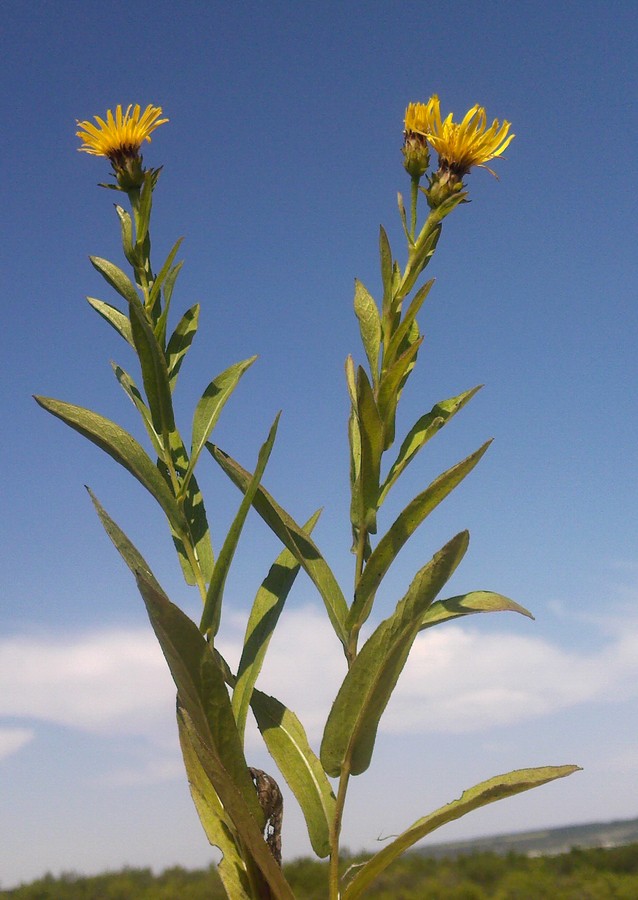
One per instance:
(460, 145)
(120, 138)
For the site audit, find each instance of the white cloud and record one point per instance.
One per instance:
(13, 739)
(457, 680)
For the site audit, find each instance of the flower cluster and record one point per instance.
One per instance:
(460, 145)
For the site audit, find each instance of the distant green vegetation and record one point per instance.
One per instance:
(580, 875)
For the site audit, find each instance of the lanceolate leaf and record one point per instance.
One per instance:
(154, 370)
(425, 428)
(127, 234)
(351, 729)
(114, 276)
(209, 408)
(295, 539)
(403, 527)
(127, 550)
(180, 342)
(264, 615)
(467, 604)
(132, 392)
(390, 388)
(206, 711)
(114, 317)
(386, 270)
(161, 276)
(480, 795)
(215, 822)
(404, 328)
(212, 605)
(370, 326)
(122, 447)
(288, 745)
(371, 430)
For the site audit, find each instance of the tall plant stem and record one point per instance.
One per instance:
(335, 832)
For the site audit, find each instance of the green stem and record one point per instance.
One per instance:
(414, 196)
(335, 831)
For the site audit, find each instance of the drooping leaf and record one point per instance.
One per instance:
(125, 547)
(213, 400)
(288, 745)
(403, 527)
(263, 618)
(425, 428)
(351, 728)
(468, 604)
(180, 342)
(212, 605)
(370, 327)
(218, 828)
(114, 276)
(371, 431)
(480, 795)
(132, 392)
(207, 714)
(295, 539)
(122, 447)
(264, 874)
(114, 317)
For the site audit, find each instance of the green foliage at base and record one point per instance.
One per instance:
(596, 874)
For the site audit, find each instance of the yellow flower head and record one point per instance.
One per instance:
(122, 135)
(416, 153)
(460, 145)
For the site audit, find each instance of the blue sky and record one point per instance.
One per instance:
(281, 158)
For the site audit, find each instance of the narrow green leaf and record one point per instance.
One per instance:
(480, 795)
(163, 272)
(255, 851)
(425, 428)
(371, 429)
(390, 388)
(467, 604)
(215, 822)
(154, 294)
(211, 614)
(143, 216)
(197, 531)
(295, 539)
(386, 269)
(169, 283)
(351, 728)
(116, 278)
(402, 332)
(126, 224)
(154, 370)
(288, 745)
(122, 447)
(403, 527)
(127, 550)
(370, 327)
(421, 256)
(264, 615)
(207, 714)
(212, 402)
(114, 317)
(132, 392)
(180, 342)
